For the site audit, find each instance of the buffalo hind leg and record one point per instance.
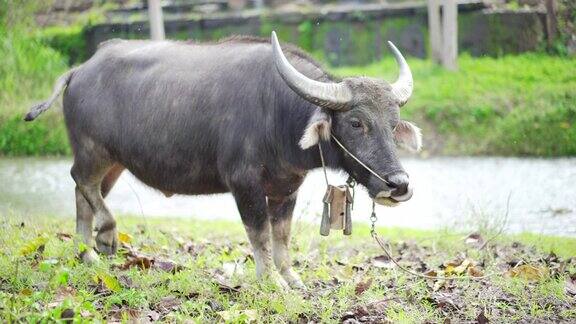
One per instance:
(281, 210)
(110, 179)
(84, 227)
(85, 216)
(88, 172)
(251, 202)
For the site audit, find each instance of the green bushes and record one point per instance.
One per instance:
(514, 105)
(46, 136)
(27, 73)
(69, 41)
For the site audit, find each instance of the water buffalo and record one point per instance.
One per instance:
(238, 115)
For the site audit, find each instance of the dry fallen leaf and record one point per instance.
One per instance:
(167, 265)
(458, 267)
(571, 286)
(431, 273)
(382, 261)
(35, 245)
(474, 239)
(475, 272)
(126, 282)
(348, 317)
(529, 272)
(26, 292)
(232, 268)
(362, 286)
(192, 247)
(136, 259)
(152, 316)
(481, 318)
(124, 237)
(462, 267)
(140, 261)
(446, 300)
(168, 304)
(122, 314)
(65, 237)
(85, 313)
(224, 285)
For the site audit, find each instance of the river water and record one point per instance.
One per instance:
(450, 192)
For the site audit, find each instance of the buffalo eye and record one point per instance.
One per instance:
(355, 123)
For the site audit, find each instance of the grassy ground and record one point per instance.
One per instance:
(203, 271)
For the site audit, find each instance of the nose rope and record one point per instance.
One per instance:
(354, 157)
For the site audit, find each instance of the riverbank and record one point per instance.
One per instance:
(203, 270)
(514, 105)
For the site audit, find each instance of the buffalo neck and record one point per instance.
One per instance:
(294, 120)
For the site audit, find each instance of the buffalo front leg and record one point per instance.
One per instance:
(251, 203)
(281, 210)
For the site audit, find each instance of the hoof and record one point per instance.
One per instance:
(107, 242)
(297, 284)
(294, 280)
(275, 279)
(280, 282)
(89, 257)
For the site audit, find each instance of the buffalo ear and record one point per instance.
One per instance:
(408, 136)
(319, 127)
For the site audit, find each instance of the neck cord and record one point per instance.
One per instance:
(323, 163)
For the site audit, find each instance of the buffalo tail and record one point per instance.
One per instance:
(61, 83)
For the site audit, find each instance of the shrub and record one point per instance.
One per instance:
(27, 75)
(69, 41)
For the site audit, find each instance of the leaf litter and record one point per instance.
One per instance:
(455, 299)
(371, 275)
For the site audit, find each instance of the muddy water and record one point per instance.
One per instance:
(449, 192)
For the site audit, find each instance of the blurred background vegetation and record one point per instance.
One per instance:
(498, 104)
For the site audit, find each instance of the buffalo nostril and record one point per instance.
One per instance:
(398, 182)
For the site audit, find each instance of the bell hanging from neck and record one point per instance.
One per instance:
(337, 210)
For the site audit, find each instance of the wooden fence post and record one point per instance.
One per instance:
(156, 20)
(551, 22)
(450, 35)
(443, 29)
(434, 30)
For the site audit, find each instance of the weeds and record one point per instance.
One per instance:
(348, 278)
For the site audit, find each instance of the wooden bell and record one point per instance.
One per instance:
(336, 214)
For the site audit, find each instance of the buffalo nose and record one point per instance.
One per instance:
(398, 182)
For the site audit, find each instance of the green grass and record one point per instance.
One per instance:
(45, 286)
(513, 105)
